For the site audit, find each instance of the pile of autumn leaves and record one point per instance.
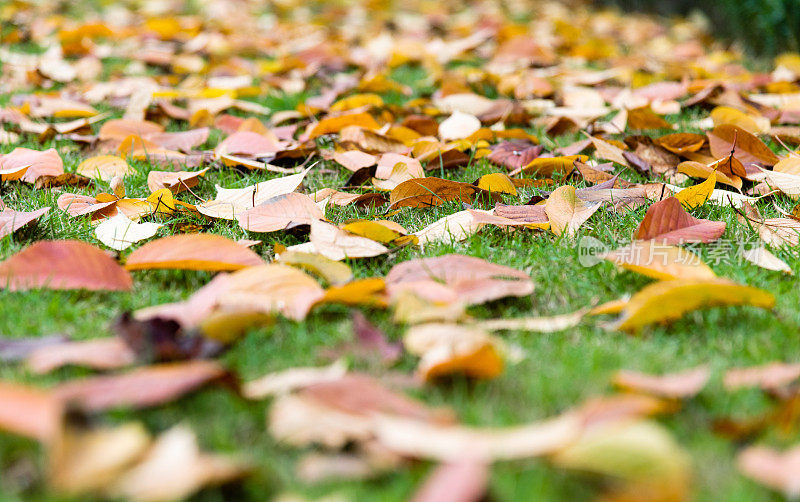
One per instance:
(332, 407)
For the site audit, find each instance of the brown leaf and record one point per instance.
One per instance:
(430, 192)
(63, 264)
(193, 252)
(748, 147)
(514, 154)
(682, 142)
(455, 277)
(667, 222)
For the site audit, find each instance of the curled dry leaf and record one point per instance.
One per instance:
(118, 232)
(29, 165)
(230, 202)
(63, 264)
(746, 147)
(430, 192)
(447, 349)
(336, 244)
(279, 213)
(332, 271)
(761, 257)
(11, 221)
(667, 222)
(697, 195)
(451, 228)
(659, 261)
(175, 181)
(453, 277)
(669, 300)
(566, 211)
(680, 385)
(193, 252)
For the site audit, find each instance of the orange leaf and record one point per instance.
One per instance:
(193, 252)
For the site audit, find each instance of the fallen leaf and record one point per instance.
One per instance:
(270, 289)
(103, 167)
(139, 388)
(11, 221)
(667, 222)
(118, 232)
(666, 301)
(63, 264)
(697, 195)
(332, 271)
(101, 354)
(175, 181)
(659, 261)
(447, 349)
(464, 480)
(292, 379)
(454, 277)
(566, 211)
(772, 468)
(430, 192)
(174, 468)
(230, 202)
(761, 257)
(279, 213)
(193, 252)
(680, 385)
(416, 439)
(771, 376)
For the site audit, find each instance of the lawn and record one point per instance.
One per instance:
(558, 371)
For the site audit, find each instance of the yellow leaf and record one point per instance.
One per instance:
(498, 183)
(697, 195)
(667, 301)
(566, 211)
(750, 123)
(103, 167)
(659, 261)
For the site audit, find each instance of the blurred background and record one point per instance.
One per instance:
(761, 27)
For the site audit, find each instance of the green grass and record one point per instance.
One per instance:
(559, 372)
